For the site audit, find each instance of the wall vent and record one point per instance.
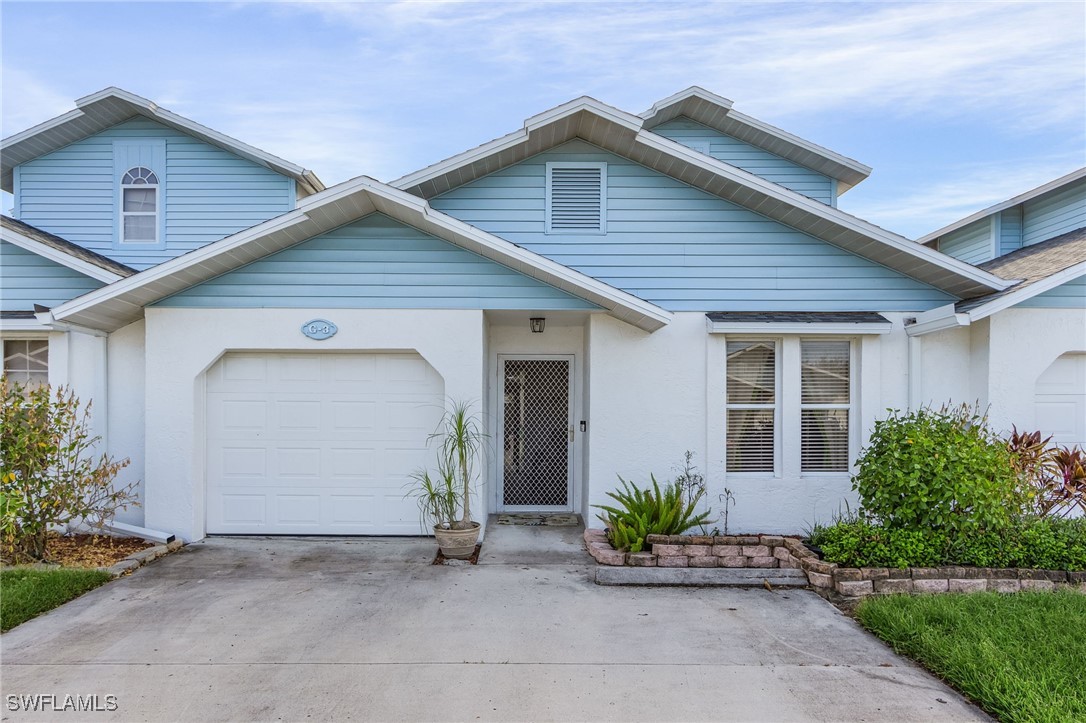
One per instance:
(576, 198)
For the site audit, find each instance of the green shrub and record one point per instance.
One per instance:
(862, 543)
(649, 512)
(1044, 543)
(49, 474)
(938, 470)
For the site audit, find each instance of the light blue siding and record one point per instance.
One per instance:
(1071, 295)
(1010, 230)
(972, 244)
(27, 279)
(209, 193)
(376, 263)
(750, 158)
(682, 248)
(1054, 214)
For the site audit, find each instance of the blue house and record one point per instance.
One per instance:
(611, 289)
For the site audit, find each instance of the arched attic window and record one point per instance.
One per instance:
(139, 206)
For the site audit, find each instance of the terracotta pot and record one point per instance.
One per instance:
(457, 544)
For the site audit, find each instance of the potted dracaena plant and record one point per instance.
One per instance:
(444, 499)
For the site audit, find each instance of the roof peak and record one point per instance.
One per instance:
(112, 105)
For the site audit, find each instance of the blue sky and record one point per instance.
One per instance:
(956, 105)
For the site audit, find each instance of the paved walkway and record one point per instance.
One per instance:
(354, 629)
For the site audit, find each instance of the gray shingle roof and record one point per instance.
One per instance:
(1032, 264)
(67, 247)
(798, 317)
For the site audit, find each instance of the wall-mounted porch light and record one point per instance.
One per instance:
(537, 323)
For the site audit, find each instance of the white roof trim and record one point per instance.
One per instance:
(1004, 205)
(832, 221)
(945, 317)
(1027, 292)
(829, 213)
(826, 327)
(55, 135)
(123, 301)
(510, 140)
(29, 327)
(846, 170)
(86, 268)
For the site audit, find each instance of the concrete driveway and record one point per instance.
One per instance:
(350, 629)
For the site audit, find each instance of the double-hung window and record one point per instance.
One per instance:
(139, 166)
(139, 206)
(752, 406)
(790, 406)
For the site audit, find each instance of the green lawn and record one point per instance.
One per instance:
(1022, 656)
(27, 593)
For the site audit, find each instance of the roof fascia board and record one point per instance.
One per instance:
(521, 135)
(691, 92)
(1004, 205)
(619, 303)
(1028, 292)
(76, 264)
(764, 327)
(856, 171)
(802, 204)
(142, 106)
(177, 264)
(30, 327)
(853, 165)
(832, 215)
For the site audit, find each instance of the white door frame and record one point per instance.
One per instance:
(499, 393)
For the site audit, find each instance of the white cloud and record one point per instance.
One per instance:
(28, 100)
(1022, 59)
(961, 192)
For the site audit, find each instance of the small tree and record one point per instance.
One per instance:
(50, 476)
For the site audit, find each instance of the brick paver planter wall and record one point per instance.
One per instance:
(855, 582)
(762, 551)
(827, 578)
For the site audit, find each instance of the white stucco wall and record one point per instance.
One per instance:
(126, 409)
(560, 337)
(1023, 344)
(996, 361)
(182, 343)
(651, 397)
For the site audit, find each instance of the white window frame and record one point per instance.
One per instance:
(28, 336)
(130, 153)
(788, 432)
(157, 186)
(852, 407)
(603, 198)
(778, 403)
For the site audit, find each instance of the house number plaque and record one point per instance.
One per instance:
(319, 329)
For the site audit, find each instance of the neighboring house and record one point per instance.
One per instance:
(1020, 351)
(611, 289)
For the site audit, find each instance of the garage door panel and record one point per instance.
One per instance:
(1060, 400)
(318, 444)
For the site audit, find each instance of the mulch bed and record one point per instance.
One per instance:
(91, 550)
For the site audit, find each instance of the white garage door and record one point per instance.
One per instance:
(317, 443)
(1061, 400)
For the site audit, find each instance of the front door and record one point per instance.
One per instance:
(536, 419)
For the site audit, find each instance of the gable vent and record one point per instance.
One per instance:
(576, 198)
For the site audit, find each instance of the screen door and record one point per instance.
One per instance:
(537, 433)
